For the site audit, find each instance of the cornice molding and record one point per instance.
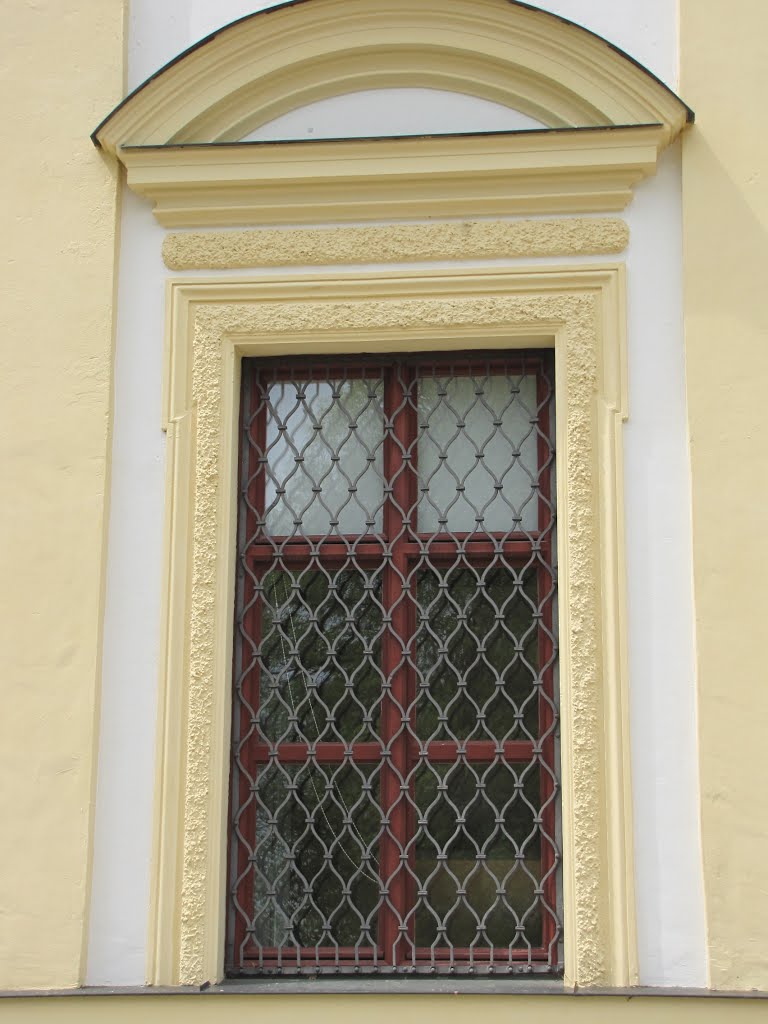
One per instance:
(277, 60)
(492, 174)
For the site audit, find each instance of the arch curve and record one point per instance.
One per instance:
(282, 58)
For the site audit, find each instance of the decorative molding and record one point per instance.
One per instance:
(211, 326)
(395, 243)
(179, 134)
(277, 60)
(491, 174)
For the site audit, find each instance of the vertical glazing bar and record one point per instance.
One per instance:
(394, 794)
(545, 594)
(409, 494)
(246, 678)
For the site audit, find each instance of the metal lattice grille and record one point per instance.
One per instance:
(394, 797)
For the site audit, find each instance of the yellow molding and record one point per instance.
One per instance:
(265, 65)
(394, 243)
(493, 174)
(211, 326)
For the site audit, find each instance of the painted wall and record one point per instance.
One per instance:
(668, 861)
(724, 66)
(670, 909)
(214, 1008)
(392, 112)
(59, 205)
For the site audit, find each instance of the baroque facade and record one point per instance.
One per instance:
(378, 378)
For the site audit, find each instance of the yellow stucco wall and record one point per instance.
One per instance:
(383, 1009)
(724, 64)
(61, 67)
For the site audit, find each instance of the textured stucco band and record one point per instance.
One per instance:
(207, 338)
(393, 243)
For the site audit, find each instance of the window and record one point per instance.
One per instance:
(213, 324)
(213, 327)
(394, 763)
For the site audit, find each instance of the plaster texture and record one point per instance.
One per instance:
(58, 208)
(126, 780)
(725, 206)
(657, 497)
(282, 1008)
(407, 111)
(222, 250)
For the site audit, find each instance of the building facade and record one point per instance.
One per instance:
(377, 378)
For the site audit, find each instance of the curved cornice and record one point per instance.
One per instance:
(276, 60)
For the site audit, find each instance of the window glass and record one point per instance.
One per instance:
(478, 453)
(324, 450)
(394, 764)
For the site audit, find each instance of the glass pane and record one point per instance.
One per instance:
(478, 858)
(316, 877)
(364, 834)
(320, 656)
(324, 457)
(477, 654)
(477, 454)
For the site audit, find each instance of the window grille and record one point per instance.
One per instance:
(394, 780)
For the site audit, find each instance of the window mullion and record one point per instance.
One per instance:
(399, 627)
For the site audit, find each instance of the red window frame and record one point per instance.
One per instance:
(396, 551)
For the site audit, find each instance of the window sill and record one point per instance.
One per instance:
(394, 986)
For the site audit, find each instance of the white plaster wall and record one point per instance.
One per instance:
(644, 29)
(392, 112)
(160, 29)
(668, 862)
(125, 783)
(668, 866)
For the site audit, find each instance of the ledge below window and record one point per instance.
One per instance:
(401, 986)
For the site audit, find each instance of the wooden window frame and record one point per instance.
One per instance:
(406, 549)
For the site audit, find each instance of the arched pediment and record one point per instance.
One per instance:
(186, 136)
(277, 60)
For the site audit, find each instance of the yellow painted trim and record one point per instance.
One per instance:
(381, 1009)
(394, 243)
(588, 170)
(263, 66)
(212, 325)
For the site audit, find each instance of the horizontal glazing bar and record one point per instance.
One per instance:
(294, 552)
(366, 955)
(516, 751)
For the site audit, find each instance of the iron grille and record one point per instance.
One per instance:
(394, 789)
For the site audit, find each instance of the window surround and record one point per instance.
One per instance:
(607, 119)
(211, 326)
(276, 60)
